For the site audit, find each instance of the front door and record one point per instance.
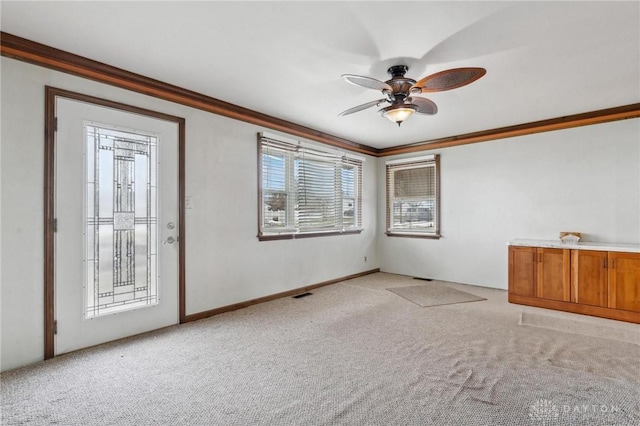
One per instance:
(116, 238)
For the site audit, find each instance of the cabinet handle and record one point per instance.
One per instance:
(604, 263)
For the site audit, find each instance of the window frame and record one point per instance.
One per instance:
(291, 150)
(405, 164)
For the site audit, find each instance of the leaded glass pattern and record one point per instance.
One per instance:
(121, 220)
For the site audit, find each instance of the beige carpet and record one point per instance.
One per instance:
(434, 293)
(352, 353)
(582, 324)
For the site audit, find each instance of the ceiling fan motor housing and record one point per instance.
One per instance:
(398, 70)
(400, 85)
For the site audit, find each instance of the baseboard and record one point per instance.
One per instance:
(288, 293)
(576, 308)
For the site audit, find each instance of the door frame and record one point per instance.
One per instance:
(51, 93)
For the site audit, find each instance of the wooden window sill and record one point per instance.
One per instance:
(413, 235)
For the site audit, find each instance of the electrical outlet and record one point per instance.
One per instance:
(365, 259)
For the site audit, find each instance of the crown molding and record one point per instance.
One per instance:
(25, 50)
(559, 123)
(29, 51)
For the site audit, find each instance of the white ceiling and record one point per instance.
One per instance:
(285, 59)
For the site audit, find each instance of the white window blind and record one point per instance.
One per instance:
(413, 196)
(306, 190)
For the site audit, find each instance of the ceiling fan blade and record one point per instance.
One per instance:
(448, 79)
(368, 82)
(425, 106)
(361, 107)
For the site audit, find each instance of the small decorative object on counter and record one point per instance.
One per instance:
(570, 237)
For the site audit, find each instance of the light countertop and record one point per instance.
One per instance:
(631, 248)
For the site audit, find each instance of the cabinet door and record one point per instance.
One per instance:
(624, 281)
(589, 277)
(522, 270)
(553, 280)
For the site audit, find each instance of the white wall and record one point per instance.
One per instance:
(226, 263)
(585, 179)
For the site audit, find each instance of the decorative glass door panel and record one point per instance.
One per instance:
(116, 200)
(121, 235)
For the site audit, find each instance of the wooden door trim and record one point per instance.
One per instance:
(51, 93)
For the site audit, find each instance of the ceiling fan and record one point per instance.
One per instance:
(400, 91)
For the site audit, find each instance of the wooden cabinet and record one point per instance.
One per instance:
(553, 274)
(539, 272)
(589, 280)
(592, 282)
(624, 281)
(522, 271)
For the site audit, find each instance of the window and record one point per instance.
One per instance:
(306, 191)
(413, 197)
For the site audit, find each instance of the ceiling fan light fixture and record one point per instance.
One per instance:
(398, 113)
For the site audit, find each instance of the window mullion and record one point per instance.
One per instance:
(338, 202)
(291, 188)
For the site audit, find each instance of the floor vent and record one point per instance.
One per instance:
(302, 295)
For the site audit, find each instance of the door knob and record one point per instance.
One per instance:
(169, 240)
